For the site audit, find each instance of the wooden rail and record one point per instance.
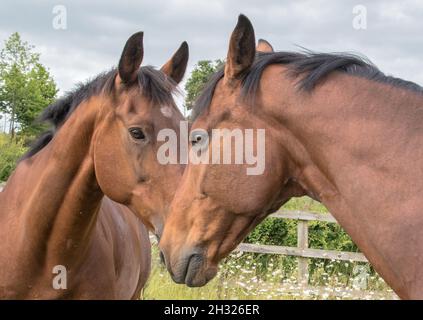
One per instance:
(302, 251)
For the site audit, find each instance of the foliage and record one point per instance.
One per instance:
(199, 77)
(26, 86)
(329, 236)
(322, 235)
(10, 152)
(274, 231)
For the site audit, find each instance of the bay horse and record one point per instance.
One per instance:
(80, 200)
(336, 129)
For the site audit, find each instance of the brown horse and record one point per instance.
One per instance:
(336, 129)
(60, 236)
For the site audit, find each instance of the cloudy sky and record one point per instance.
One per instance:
(97, 30)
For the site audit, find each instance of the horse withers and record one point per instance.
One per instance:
(72, 214)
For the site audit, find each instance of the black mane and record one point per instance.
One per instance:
(310, 67)
(154, 84)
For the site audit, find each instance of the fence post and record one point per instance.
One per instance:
(302, 243)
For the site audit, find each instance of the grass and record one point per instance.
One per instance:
(305, 204)
(259, 276)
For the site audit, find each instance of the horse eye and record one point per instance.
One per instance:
(136, 133)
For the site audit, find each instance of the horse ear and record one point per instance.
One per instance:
(264, 46)
(242, 49)
(131, 58)
(176, 66)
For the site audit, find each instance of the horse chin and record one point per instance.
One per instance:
(201, 277)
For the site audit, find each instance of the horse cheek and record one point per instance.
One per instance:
(113, 170)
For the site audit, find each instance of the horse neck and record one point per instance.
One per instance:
(358, 143)
(57, 194)
(352, 131)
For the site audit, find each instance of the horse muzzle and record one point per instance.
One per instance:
(190, 268)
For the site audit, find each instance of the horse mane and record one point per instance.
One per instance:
(309, 66)
(154, 85)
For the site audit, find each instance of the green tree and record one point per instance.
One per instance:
(199, 76)
(26, 86)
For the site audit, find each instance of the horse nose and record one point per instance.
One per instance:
(186, 268)
(194, 265)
